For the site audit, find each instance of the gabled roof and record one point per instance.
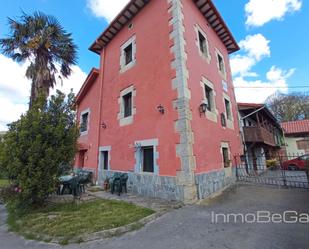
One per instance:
(243, 106)
(255, 106)
(206, 7)
(296, 127)
(92, 76)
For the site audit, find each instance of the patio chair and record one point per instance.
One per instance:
(118, 182)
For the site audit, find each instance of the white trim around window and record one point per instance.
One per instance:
(86, 111)
(229, 118)
(204, 54)
(222, 71)
(123, 65)
(138, 168)
(213, 113)
(123, 121)
(228, 170)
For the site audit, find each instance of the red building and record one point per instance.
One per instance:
(162, 106)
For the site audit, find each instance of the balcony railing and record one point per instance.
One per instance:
(259, 135)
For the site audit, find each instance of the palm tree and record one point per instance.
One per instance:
(40, 39)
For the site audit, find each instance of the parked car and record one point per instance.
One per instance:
(297, 163)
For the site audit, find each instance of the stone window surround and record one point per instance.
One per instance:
(123, 66)
(126, 120)
(213, 114)
(139, 158)
(223, 74)
(228, 170)
(207, 56)
(88, 121)
(102, 149)
(229, 122)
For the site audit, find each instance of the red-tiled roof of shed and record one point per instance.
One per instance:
(296, 127)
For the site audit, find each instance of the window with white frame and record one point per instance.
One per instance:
(146, 156)
(210, 99)
(202, 43)
(127, 108)
(84, 122)
(127, 57)
(221, 64)
(228, 111)
(104, 158)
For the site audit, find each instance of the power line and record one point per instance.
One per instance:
(271, 87)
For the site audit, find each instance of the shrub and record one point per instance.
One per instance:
(37, 147)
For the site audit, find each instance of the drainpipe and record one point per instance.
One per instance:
(101, 80)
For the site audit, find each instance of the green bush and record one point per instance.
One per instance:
(37, 147)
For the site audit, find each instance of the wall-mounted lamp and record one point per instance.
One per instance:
(161, 109)
(103, 125)
(203, 107)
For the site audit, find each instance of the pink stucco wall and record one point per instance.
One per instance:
(208, 135)
(152, 78)
(90, 140)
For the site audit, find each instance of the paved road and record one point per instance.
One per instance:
(191, 226)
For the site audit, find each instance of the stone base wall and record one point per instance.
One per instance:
(154, 186)
(211, 182)
(166, 187)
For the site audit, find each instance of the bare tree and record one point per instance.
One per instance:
(289, 107)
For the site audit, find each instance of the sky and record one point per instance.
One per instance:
(272, 35)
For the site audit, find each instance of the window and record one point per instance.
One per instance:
(148, 159)
(127, 57)
(221, 64)
(209, 98)
(84, 122)
(228, 109)
(128, 53)
(105, 160)
(203, 44)
(127, 105)
(127, 108)
(226, 158)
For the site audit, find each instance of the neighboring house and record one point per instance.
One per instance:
(162, 107)
(262, 134)
(296, 137)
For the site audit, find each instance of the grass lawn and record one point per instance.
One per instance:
(67, 221)
(3, 183)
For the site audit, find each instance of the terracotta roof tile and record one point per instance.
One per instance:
(294, 127)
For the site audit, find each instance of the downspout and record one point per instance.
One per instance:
(101, 79)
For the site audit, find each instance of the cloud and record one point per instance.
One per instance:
(259, 12)
(15, 89)
(254, 48)
(257, 91)
(106, 8)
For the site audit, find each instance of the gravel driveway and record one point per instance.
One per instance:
(191, 227)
